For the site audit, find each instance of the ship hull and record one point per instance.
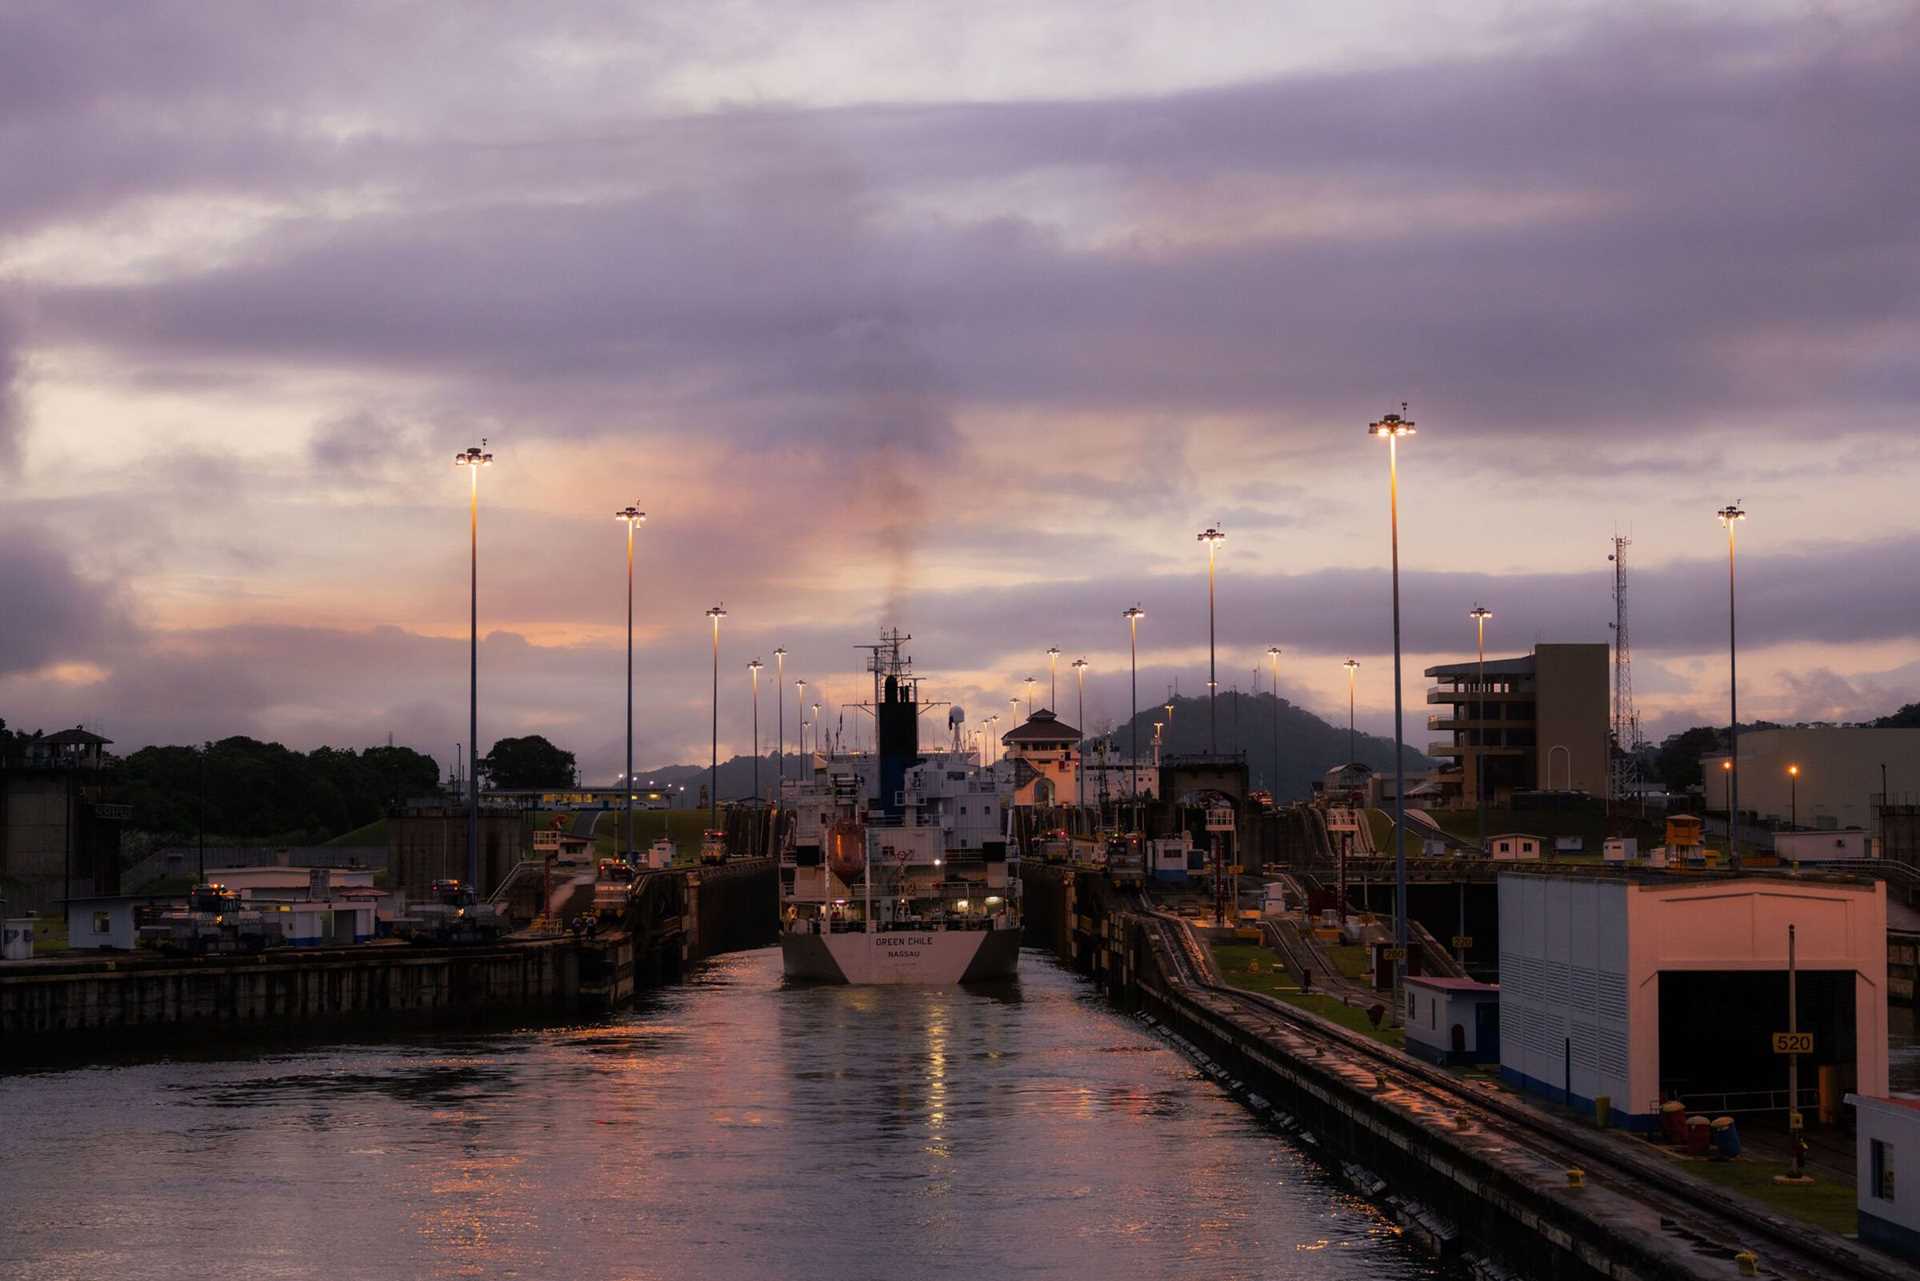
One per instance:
(938, 957)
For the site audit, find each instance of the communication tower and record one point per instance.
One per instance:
(1623, 772)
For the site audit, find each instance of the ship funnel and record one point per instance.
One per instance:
(897, 733)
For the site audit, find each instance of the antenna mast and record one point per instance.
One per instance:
(1623, 769)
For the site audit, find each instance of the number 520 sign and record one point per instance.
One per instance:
(1793, 1043)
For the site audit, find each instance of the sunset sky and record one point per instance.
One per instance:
(958, 317)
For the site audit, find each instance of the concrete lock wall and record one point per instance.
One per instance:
(51, 1006)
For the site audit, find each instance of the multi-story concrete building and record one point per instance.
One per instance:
(1832, 775)
(60, 820)
(1539, 722)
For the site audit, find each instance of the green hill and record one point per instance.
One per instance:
(1309, 746)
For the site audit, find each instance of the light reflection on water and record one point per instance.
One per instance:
(727, 1128)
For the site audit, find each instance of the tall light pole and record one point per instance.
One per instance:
(1133, 614)
(991, 722)
(473, 459)
(1390, 429)
(1031, 682)
(755, 667)
(1212, 537)
(800, 713)
(1080, 746)
(1273, 653)
(713, 772)
(1793, 793)
(1053, 677)
(631, 516)
(1730, 516)
(1480, 614)
(1352, 666)
(816, 727)
(780, 706)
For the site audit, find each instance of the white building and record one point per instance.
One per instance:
(1821, 847)
(1453, 1021)
(1515, 846)
(106, 921)
(1636, 986)
(1888, 1136)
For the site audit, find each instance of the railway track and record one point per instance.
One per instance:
(1702, 1220)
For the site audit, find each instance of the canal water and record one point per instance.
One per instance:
(730, 1127)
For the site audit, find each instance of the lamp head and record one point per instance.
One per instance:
(1730, 513)
(1480, 613)
(1393, 426)
(1794, 770)
(1210, 535)
(632, 515)
(1053, 651)
(781, 652)
(474, 456)
(1080, 662)
(716, 614)
(1133, 613)
(755, 666)
(1350, 665)
(1273, 650)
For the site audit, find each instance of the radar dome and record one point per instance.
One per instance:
(955, 716)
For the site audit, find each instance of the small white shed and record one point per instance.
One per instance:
(1515, 845)
(1453, 1021)
(1888, 1135)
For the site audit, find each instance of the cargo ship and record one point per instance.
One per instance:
(899, 866)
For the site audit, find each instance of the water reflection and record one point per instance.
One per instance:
(731, 1127)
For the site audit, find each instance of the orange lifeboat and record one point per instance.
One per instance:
(847, 848)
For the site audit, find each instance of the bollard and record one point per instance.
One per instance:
(1576, 1178)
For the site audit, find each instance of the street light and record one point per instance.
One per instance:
(1480, 614)
(473, 459)
(1731, 515)
(1053, 677)
(1212, 537)
(991, 722)
(631, 516)
(1793, 792)
(755, 667)
(1080, 747)
(1273, 653)
(780, 703)
(1352, 666)
(800, 711)
(1031, 682)
(816, 727)
(1390, 429)
(713, 774)
(1133, 614)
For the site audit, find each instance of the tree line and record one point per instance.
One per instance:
(241, 788)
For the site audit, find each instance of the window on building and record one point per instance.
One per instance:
(102, 923)
(1882, 1170)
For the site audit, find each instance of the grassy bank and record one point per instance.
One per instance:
(1253, 968)
(1827, 1203)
